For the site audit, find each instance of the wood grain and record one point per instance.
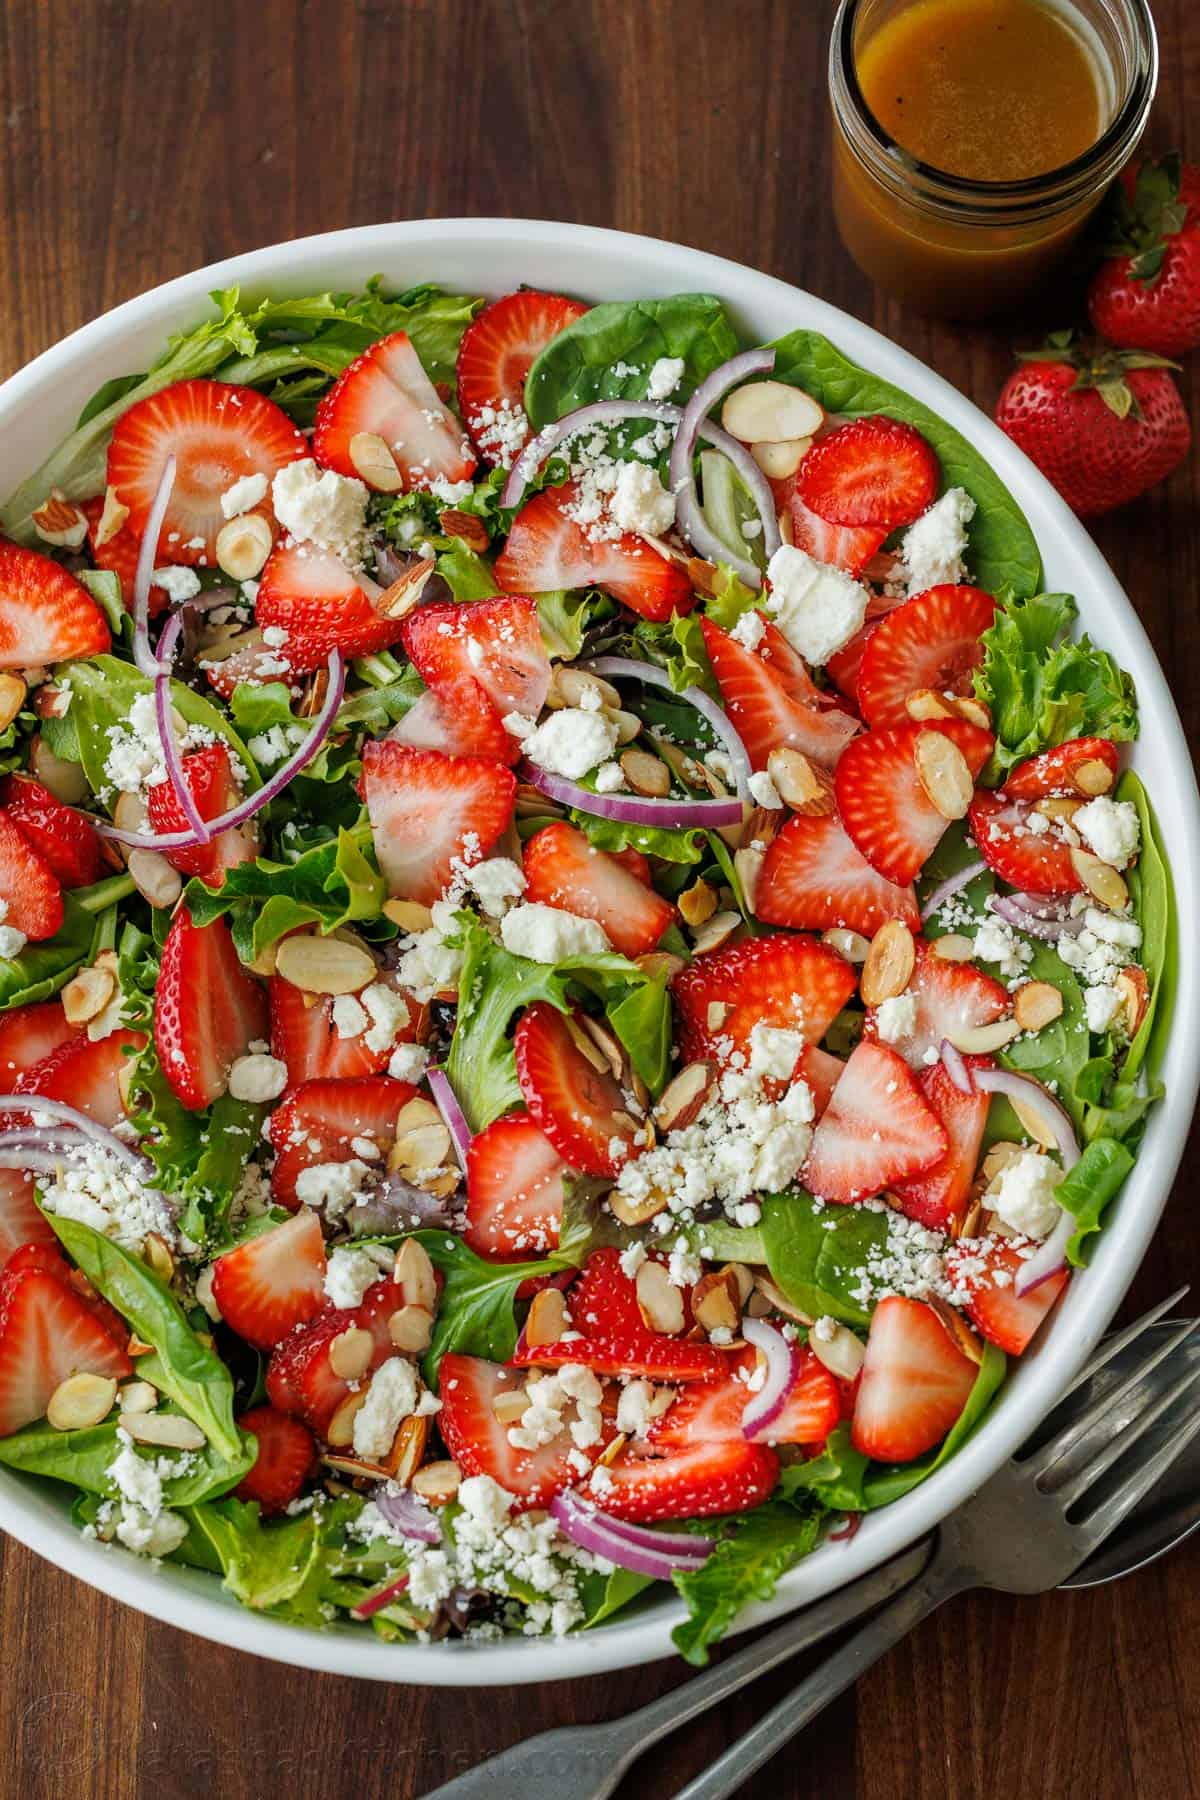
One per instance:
(140, 139)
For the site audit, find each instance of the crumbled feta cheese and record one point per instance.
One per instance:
(633, 1408)
(997, 942)
(932, 549)
(547, 934)
(1110, 828)
(387, 1013)
(519, 726)
(179, 583)
(257, 1078)
(775, 1051)
(12, 941)
(1024, 1195)
(429, 964)
(896, 1018)
(100, 1189)
(1100, 1006)
(349, 1016)
(817, 608)
(665, 376)
(351, 1271)
(334, 1187)
(496, 883)
(391, 1397)
(318, 506)
(572, 741)
(408, 1062)
(640, 502)
(243, 495)
(750, 629)
(763, 790)
(632, 1258)
(610, 778)
(500, 430)
(141, 1523)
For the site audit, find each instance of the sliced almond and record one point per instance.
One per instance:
(645, 774)
(702, 575)
(927, 703)
(510, 1405)
(1001, 1153)
(748, 863)
(850, 944)
(113, 515)
(441, 1182)
(716, 1014)
(411, 1329)
(636, 1212)
(324, 965)
(80, 1401)
(801, 783)
(628, 724)
(374, 462)
(659, 1302)
(408, 1447)
(12, 697)
(137, 1346)
(467, 526)
(779, 1300)
(1101, 880)
(839, 1350)
(957, 1329)
(981, 1040)
(59, 521)
(784, 522)
(340, 1430)
(781, 459)
(157, 1254)
(587, 1046)
(890, 963)
(397, 601)
(356, 1469)
(350, 1353)
(717, 1301)
(437, 1483)
(697, 902)
(409, 915)
(415, 1274)
(1057, 806)
(571, 687)
(137, 1397)
(547, 1318)
(422, 1139)
(973, 711)
(1092, 777)
(953, 947)
(87, 994)
(171, 1431)
(1036, 1004)
(609, 1046)
(683, 1097)
(660, 965)
(266, 962)
(243, 545)
(155, 880)
(943, 772)
(743, 1278)
(65, 780)
(1134, 989)
(767, 411)
(968, 1223)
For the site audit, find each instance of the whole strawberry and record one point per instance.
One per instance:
(1146, 294)
(1103, 425)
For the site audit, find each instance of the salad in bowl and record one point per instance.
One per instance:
(579, 966)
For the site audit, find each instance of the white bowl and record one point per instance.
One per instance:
(39, 405)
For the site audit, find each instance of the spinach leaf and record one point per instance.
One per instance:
(743, 1568)
(564, 617)
(678, 647)
(181, 1366)
(1062, 1049)
(1091, 1185)
(1152, 893)
(83, 1458)
(475, 1309)
(603, 1595)
(329, 886)
(882, 1485)
(834, 1477)
(816, 1254)
(103, 691)
(1003, 550)
(581, 364)
(276, 1567)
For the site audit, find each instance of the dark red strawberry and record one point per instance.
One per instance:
(273, 1282)
(301, 1378)
(580, 1108)
(1034, 861)
(386, 393)
(218, 434)
(1067, 769)
(31, 891)
(710, 1412)
(478, 1440)
(871, 471)
(85, 1075)
(698, 1482)
(932, 641)
(208, 1009)
(62, 837)
(878, 1128)
(914, 1383)
(562, 868)
(941, 1194)
(456, 717)
(950, 998)
(615, 1338)
(46, 1334)
(497, 643)
(320, 1120)
(547, 550)
(46, 616)
(498, 349)
(993, 1307)
(28, 1035)
(782, 981)
(883, 801)
(118, 555)
(287, 1456)
(209, 777)
(760, 691)
(431, 814)
(514, 1190)
(311, 595)
(303, 1035)
(1146, 293)
(813, 877)
(848, 547)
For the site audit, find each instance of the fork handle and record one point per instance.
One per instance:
(734, 1767)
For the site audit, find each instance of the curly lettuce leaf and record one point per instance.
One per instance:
(744, 1568)
(329, 886)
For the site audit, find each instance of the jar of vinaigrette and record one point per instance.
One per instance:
(972, 139)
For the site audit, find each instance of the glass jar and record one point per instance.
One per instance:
(962, 248)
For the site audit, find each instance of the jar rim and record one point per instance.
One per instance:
(1059, 186)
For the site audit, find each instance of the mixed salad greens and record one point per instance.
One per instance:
(578, 968)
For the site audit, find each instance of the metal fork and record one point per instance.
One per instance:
(1020, 1533)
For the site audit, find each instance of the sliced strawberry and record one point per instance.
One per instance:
(119, 556)
(498, 349)
(387, 393)
(1003, 1318)
(28, 1035)
(1036, 862)
(254, 662)
(457, 718)
(1053, 771)
(304, 1036)
(320, 1120)
(62, 837)
(950, 997)
(301, 1378)
(29, 887)
(882, 800)
(46, 1334)
(871, 471)
(547, 550)
(311, 594)
(580, 1108)
(21, 1219)
(46, 616)
(822, 1073)
(431, 814)
(848, 547)
(759, 688)
(85, 1075)
(287, 1456)
(615, 1338)
(497, 643)
(208, 1009)
(478, 1440)
(218, 434)
(710, 1412)
(877, 1129)
(914, 1383)
(941, 1194)
(932, 641)
(813, 877)
(698, 1482)
(783, 981)
(273, 1282)
(209, 777)
(844, 665)
(562, 868)
(514, 1190)
(38, 1253)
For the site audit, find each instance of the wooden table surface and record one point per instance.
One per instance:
(141, 139)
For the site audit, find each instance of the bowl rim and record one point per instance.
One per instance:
(593, 259)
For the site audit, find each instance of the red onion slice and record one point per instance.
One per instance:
(849, 1528)
(383, 1596)
(1033, 922)
(950, 886)
(655, 1553)
(407, 1514)
(446, 1101)
(1047, 1259)
(956, 1068)
(628, 668)
(167, 645)
(631, 809)
(143, 655)
(600, 412)
(783, 1368)
(62, 1114)
(688, 512)
(1035, 1098)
